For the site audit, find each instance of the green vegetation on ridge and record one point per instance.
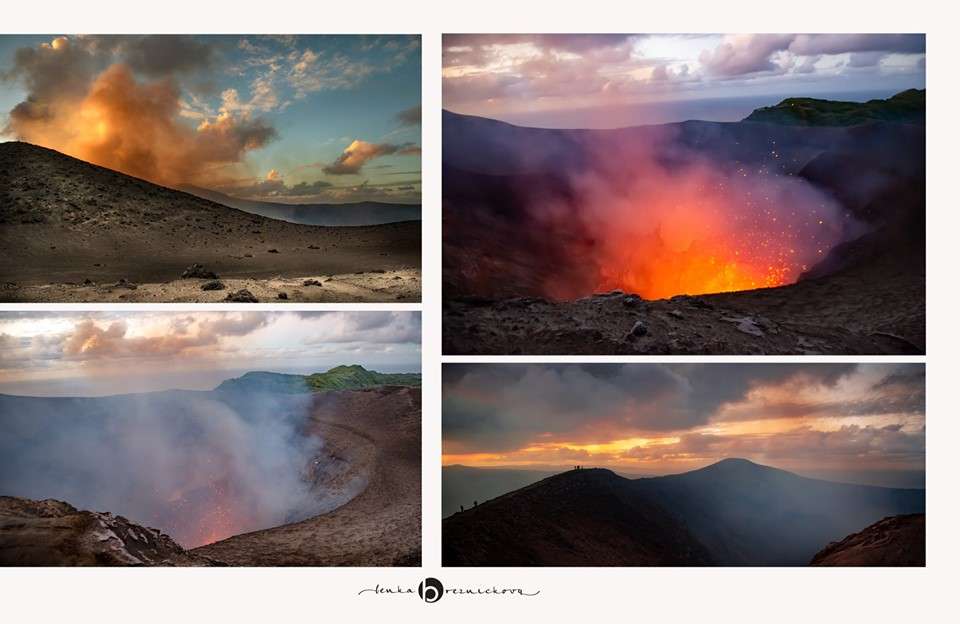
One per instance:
(907, 106)
(352, 377)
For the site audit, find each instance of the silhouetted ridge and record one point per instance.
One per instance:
(733, 512)
(579, 517)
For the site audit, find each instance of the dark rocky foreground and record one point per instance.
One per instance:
(871, 309)
(894, 541)
(80, 232)
(53, 533)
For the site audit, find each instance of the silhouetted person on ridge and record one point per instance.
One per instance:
(461, 508)
(474, 504)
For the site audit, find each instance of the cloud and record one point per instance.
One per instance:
(853, 445)
(367, 327)
(113, 119)
(740, 55)
(410, 116)
(744, 54)
(90, 340)
(161, 55)
(359, 152)
(312, 71)
(504, 408)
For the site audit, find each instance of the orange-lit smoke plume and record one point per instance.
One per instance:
(135, 127)
(692, 227)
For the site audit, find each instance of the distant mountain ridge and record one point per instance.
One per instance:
(907, 106)
(344, 377)
(733, 512)
(348, 214)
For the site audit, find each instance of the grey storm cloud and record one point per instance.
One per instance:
(410, 116)
(367, 327)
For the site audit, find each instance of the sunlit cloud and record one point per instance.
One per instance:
(657, 418)
(113, 351)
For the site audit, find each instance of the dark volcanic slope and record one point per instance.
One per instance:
(584, 517)
(65, 220)
(734, 512)
(895, 541)
(379, 431)
(866, 297)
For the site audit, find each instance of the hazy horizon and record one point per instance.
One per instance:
(726, 109)
(618, 80)
(894, 479)
(107, 353)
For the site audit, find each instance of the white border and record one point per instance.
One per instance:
(573, 594)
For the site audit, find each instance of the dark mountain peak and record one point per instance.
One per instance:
(735, 461)
(736, 465)
(590, 516)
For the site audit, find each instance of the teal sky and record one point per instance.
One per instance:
(252, 116)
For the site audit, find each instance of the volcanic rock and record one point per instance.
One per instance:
(241, 296)
(53, 533)
(213, 285)
(893, 541)
(639, 329)
(198, 271)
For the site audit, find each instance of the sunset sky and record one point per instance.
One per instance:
(95, 353)
(604, 81)
(855, 422)
(295, 119)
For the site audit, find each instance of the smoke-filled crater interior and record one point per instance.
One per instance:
(199, 466)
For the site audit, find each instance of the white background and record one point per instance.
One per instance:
(573, 594)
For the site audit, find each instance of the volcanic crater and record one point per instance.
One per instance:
(776, 234)
(329, 477)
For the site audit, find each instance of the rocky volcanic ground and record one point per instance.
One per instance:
(835, 314)
(894, 541)
(367, 483)
(73, 231)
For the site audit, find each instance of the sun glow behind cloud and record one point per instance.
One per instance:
(255, 117)
(656, 419)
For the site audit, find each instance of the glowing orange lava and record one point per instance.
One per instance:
(702, 231)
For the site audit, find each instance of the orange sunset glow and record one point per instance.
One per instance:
(660, 419)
